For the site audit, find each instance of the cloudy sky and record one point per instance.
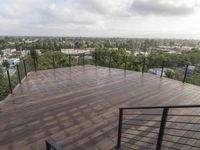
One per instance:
(101, 18)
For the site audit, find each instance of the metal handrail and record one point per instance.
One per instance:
(167, 106)
(51, 145)
(96, 56)
(163, 120)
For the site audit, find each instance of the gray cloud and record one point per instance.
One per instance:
(98, 17)
(160, 8)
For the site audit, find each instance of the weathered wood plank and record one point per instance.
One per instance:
(78, 106)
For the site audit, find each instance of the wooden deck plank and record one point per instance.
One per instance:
(78, 106)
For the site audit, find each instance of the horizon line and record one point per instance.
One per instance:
(102, 37)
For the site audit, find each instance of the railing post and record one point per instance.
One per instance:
(10, 85)
(110, 59)
(163, 63)
(99, 62)
(69, 60)
(162, 128)
(119, 129)
(125, 62)
(185, 75)
(35, 64)
(83, 58)
(54, 62)
(51, 145)
(25, 67)
(18, 74)
(48, 147)
(96, 59)
(144, 60)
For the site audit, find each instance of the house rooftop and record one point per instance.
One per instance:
(78, 106)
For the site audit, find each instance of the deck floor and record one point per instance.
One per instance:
(78, 106)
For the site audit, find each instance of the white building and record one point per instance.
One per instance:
(141, 53)
(7, 52)
(77, 51)
(13, 50)
(25, 53)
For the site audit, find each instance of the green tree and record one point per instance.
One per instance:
(1, 53)
(170, 74)
(6, 64)
(34, 54)
(131, 45)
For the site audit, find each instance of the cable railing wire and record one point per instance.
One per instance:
(109, 59)
(181, 143)
(140, 140)
(139, 145)
(132, 134)
(144, 127)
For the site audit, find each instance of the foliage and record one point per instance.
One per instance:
(170, 74)
(4, 84)
(34, 54)
(1, 53)
(48, 58)
(6, 64)
(116, 58)
(109, 52)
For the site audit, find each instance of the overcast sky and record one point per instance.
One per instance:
(101, 18)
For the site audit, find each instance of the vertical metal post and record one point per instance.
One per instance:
(96, 59)
(69, 60)
(110, 59)
(25, 67)
(10, 85)
(144, 60)
(119, 128)
(162, 128)
(125, 62)
(163, 63)
(99, 59)
(47, 145)
(35, 64)
(185, 75)
(51, 145)
(54, 66)
(83, 58)
(18, 74)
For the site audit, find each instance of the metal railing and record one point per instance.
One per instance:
(109, 60)
(171, 127)
(16, 73)
(142, 64)
(13, 75)
(51, 145)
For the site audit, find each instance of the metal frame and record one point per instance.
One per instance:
(9, 81)
(35, 65)
(24, 63)
(110, 57)
(69, 60)
(143, 65)
(51, 145)
(126, 59)
(54, 66)
(162, 128)
(163, 121)
(163, 63)
(83, 58)
(18, 74)
(185, 74)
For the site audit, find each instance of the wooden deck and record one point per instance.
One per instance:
(78, 107)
